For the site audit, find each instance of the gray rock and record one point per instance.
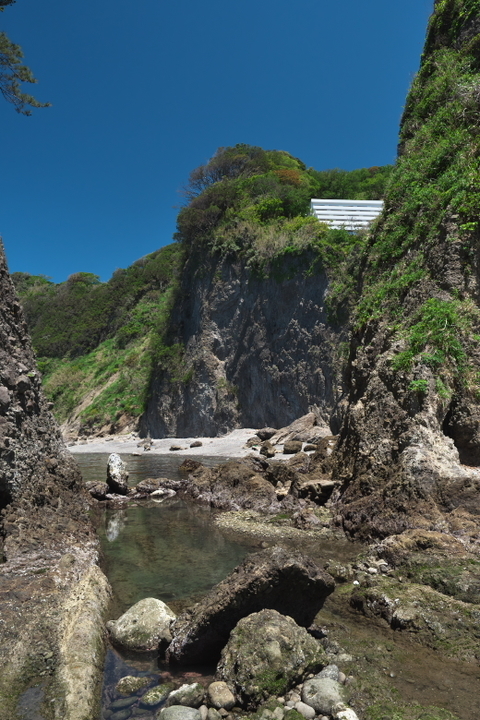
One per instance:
(197, 443)
(219, 695)
(284, 580)
(331, 671)
(117, 475)
(156, 695)
(178, 712)
(143, 627)
(291, 447)
(213, 714)
(266, 433)
(121, 714)
(203, 711)
(191, 695)
(306, 710)
(322, 694)
(267, 654)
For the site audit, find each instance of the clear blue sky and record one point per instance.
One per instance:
(144, 92)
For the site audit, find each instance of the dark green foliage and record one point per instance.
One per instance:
(13, 73)
(72, 318)
(100, 340)
(244, 200)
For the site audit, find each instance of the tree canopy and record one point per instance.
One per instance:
(13, 73)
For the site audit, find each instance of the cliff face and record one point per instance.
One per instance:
(49, 548)
(256, 351)
(412, 427)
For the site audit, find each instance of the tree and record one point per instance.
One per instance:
(12, 73)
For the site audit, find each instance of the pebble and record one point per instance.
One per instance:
(123, 703)
(278, 713)
(203, 711)
(305, 710)
(342, 678)
(290, 704)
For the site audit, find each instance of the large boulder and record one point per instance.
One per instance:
(143, 627)
(233, 485)
(267, 654)
(280, 579)
(117, 475)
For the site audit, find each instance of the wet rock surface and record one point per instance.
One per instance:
(267, 654)
(275, 578)
(117, 475)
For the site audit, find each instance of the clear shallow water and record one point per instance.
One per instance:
(174, 552)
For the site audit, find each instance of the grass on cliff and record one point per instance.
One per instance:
(432, 202)
(98, 342)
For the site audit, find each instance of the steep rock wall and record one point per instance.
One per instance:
(412, 427)
(49, 547)
(256, 350)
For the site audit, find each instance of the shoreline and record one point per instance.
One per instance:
(231, 445)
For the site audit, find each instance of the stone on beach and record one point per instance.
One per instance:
(266, 655)
(275, 578)
(191, 695)
(219, 695)
(178, 712)
(143, 627)
(117, 475)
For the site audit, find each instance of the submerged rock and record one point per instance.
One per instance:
(283, 580)
(178, 712)
(191, 695)
(156, 695)
(267, 654)
(143, 627)
(117, 475)
(131, 684)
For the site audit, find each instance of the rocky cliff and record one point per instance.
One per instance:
(52, 594)
(409, 448)
(254, 350)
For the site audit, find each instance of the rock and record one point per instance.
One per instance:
(255, 440)
(306, 710)
(122, 703)
(117, 475)
(156, 695)
(98, 490)
(232, 485)
(213, 714)
(219, 696)
(121, 714)
(291, 447)
(196, 443)
(331, 671)
(149, 485)
(309, 447)
(322, 694)
(267, 450)
(174, 448)
(346, 714)
(203, 711)
(266, 433)
(275, 578)
(129, 684)
(267, 653)
(189, 465)
(191, 695)
(143, 627)
(178, 712)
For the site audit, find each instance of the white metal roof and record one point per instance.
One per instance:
(348, 214)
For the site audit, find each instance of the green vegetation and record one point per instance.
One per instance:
(98, 342)
(432, 210)
(13, 73)
(255, 203)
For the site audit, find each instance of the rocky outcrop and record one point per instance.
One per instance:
(266, 655)
(282, 580)
(49, 575)
(257, 350)
(412, 426)
(117, 475)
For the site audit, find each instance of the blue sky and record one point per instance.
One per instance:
(144, 92)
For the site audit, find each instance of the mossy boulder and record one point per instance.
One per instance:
(130, 684)
(268, 653)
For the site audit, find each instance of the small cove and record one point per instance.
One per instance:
(172, 550)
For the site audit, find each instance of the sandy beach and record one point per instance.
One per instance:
(231, 445)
